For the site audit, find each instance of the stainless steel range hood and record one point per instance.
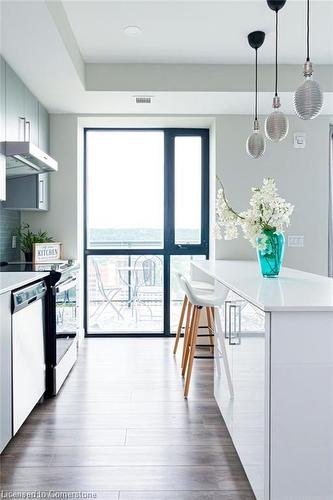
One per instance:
(24, 158)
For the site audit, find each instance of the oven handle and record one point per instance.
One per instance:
(66, 285)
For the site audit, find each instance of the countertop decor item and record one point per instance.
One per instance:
(277, 124)
(27, 238)
(263, 224)
(308, 99)
(255, 144)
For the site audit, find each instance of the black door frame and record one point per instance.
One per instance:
(170, 248)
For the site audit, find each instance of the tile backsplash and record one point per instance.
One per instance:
(9, 220)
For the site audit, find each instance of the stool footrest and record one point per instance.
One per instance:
(197, 356)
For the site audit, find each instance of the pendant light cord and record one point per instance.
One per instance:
(276, 50)
(256, 85)
(308, 30)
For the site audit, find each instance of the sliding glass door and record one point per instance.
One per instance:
(146, 216)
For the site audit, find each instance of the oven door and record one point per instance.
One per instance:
(66, 314)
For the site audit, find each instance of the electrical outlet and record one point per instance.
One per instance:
(14, 241)
(295, 240)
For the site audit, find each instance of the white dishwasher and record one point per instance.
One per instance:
(28, 350)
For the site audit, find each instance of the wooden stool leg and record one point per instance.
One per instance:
(188, 340)
(180, 324)
(192, 347)
(187, 331)
(210, 329)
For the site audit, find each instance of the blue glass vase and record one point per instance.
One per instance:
(270, 258)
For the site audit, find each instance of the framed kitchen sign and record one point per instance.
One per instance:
(46, 252)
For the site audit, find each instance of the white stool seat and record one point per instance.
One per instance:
(207, 299)
(201, 286)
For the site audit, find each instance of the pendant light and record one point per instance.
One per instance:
(256, 144)
(277, 124)
(308, 99)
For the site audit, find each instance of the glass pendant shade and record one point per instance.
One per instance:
(256, 144)
(308, 99)
(277, 123)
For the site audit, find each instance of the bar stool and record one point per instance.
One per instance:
(209, 300)
(200, 286)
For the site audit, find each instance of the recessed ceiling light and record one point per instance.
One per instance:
(132, 31)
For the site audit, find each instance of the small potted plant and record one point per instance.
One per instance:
(27, 238)
(263, 224)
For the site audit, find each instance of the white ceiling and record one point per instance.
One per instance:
(32, 44)
(202, 32)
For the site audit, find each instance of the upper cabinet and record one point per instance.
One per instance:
(31, 110)
(22, 110)
(23, 118)
(43, 129)
(15, 97)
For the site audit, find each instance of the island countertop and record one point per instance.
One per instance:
(293, 290)
(12, 280)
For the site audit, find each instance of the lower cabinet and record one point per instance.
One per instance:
(244, 335)
(5, 370)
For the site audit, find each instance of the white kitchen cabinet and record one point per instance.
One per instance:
(5, 370)
(244, 332)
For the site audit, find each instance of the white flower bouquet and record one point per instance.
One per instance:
(268, 215)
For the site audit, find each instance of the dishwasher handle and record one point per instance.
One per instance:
(25, 296)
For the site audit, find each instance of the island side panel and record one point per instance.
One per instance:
(301, 458)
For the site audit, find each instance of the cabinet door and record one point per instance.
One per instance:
(44, 129)
(222, 361)
(5, 371)
(15, 93)
(28, 193)
(2, 128)
(43, 192)
(245, 331)
(31, 117)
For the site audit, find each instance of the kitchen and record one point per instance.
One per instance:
(123, 182)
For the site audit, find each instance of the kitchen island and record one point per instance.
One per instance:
(278, 338)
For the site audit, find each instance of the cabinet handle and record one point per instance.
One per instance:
(234, 325)
(227, 324)
(21, 124)
(41, 192)
(28, 124)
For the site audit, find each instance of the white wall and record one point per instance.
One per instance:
(302, 179)
(301, 175)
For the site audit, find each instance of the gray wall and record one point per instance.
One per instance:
(302, 179)
(301, 175)
(9, 220)
(61, 220)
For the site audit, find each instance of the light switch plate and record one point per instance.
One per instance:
(13, 241)
(295, 240)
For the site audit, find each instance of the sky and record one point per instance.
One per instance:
(125, 180)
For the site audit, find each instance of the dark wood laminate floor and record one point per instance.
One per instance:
(121, 429)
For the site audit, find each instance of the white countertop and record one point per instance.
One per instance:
(12, 280)
(292, 291)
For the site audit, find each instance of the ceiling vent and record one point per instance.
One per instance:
(143, 99)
